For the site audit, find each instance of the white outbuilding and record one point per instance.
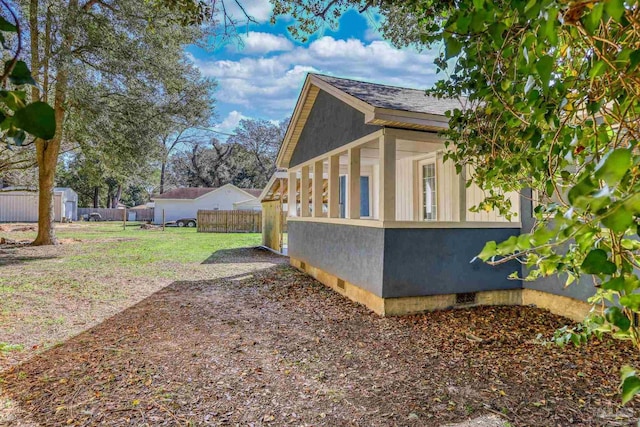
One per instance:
(21, 205)
(182, 203)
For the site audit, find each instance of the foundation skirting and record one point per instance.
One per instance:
(556, 304)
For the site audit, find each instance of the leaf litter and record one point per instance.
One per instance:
(277, 348)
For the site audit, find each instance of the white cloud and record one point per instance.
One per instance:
(261, 43)
(268, 86)
(372, 34)
(230, 122)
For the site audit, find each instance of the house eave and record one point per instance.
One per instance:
(407, 119)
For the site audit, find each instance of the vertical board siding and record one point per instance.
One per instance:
(404, 190)
(19, 207)
(229, 221)
(475, 195)
(448, 190)
(272, 224)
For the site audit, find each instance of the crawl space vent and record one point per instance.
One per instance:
(466, 298)
(340, 284)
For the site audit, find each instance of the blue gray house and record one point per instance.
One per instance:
(376, 213)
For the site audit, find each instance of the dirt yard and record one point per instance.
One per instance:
(262, 344)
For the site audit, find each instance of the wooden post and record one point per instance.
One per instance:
(124, 219)
(280, 219)
(162, 219)
(304, 192)
(334, 186)
(354, 183)
(318, 171)
(292, 202)
(387, 178)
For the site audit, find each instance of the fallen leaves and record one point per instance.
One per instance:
(280, 349)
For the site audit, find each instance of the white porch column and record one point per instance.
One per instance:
(304, 191)
(292, 196)
(387, 176)
(354, 183)
(462, 194)
(333, 189)
(318, 169)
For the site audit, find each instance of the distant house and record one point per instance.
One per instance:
(21, 204)
(185, 202)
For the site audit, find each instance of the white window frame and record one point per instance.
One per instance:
(431, 160)
(346, 193)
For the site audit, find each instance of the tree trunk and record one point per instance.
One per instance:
(47, 151)
(116, 197)
(96, 197)
(162, 173)
(47, 155)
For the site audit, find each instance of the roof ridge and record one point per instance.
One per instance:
(371, 83)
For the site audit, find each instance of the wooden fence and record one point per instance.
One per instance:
(111, 214)
(229, 221)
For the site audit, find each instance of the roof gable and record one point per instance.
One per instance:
(392, 97)
(192, 193)
(330, 125)
(381, 105)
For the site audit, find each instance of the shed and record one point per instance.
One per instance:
(21, 204)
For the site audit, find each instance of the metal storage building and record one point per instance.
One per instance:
(21, 205)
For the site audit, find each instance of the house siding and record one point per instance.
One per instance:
(221, 199)
(435, 261)
(330, 125)
(581, 289)
(352, 253)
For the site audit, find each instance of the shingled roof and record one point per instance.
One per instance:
(187, 193)
(392, 97)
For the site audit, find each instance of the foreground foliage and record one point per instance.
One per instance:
(551, 103)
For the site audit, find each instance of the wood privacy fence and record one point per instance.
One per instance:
(229, 221)
(112, 214)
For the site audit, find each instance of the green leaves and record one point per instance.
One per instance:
(488, 251)
(615, 9)
(597, 262)
(616, 317)
(7, 26)
(544, 66)
(38, 119)
(631, 301)
(20, 75)
(630, 383)
(453, 47)
(592, 20)
(613, 166)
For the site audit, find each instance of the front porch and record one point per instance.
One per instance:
(391, 178)
(398, 237)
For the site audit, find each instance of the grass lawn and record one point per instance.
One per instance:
(50, 293)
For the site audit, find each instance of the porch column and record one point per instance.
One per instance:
(304, 191)
(387, 183)
(354, 183)
(292, 196)
(333, 189)
(318, 169)
(462, 194)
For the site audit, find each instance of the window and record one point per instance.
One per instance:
(365, 200)
(428, 193)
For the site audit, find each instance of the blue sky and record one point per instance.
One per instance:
(263, 77)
